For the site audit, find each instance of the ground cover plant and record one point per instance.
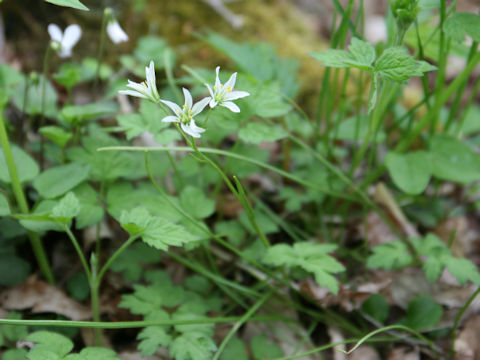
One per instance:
(154, 208)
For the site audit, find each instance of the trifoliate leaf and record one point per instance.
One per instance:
(192, 346)
(460, 24)
(311, 257)
(27, 168)
(396, 64)
(149, 299)
(132, 124)
(391, 255)
(194, 201)
(130, 261)
(410, 172)
(153, 337)
(66, 209)
(205, 329)
(50, 341)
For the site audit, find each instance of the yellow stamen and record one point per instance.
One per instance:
(190, 117)
(190, 111)
(229, 89)
(184, 106)
(215, 87)
(178, 111)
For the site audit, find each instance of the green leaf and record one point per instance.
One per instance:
(391, 255)
(263, 349)
(13, 270)
(194, 201)
(192, 346)
(94, 353)
(423, 313)
(132, 124)
(130, 261)
(69, 3)
(77, 114)
(152, 48)
(333, 58)
(267, 102)
(147, 300)
(68, 75)
(256, 133)
(50, 341)
(235, 350)
(15, 354)
(463, 270)
(232, 230)
(39, 220)
(56, 134)
(34, 98)
(66, 209)
(157, 232)
(377, 307)
(454, 160)
(152, 338)
(311, 257)
(27, 168)
(58, 180)
(14, 333)
(91, 212)
(361, 55)
(410, 172)
(78, 286)
(461, 23)
(4, 206)
(363, 52)
(396, 64)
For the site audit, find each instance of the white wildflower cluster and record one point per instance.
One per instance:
(220, 95)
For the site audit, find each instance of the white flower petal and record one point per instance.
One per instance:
(136, 86)
(231, 82)
(71, 36)
(189, 131)
(234, 95)
(169, 119)
(132, 93)
(210, 90)
(151, 80)
(217, 79)
(230, 106)
(195, 128)
(199, 106)
(65, 53)
(213, 103)
(188, 98)
(115, 32)
(174, 107)
(55, 32)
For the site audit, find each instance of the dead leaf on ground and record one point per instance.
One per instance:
(375, 231)
(404, 353)
(42, 297)
(465, 235)
(467, 346)
(364, 352)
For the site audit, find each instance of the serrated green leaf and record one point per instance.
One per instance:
(391, 255)
(461, 23)
(377, 307)
(454, 160)
(135, 221)
(50, 341)
(235, 350)
(194, 201)
(94, 353)
(27, 168)
(423, 313)
(396, 64)
(58, 180)
(56, 134)
(39, 219)
(68, 75)
(463, 270)
(14, 333)
(147, 300)
(130, 261)
(267, 102)
(91, 212)
(205, 329)
(410, 172)
(362, 51)
(132, 124)
(69, 3)
(256, 133)
(311, 257)
(192, 346)
(333, 58)
(67, 208)
(232, 230)
(152, 337)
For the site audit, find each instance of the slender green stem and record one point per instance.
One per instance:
(95, 299)
(35, 241)
(137, 324)
(242, 321)
(167, 60)
(114, 256)
(46, 64)
(79, 251)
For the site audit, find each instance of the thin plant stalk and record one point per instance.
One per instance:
(106, 15)
(35, 241)
(46, 64)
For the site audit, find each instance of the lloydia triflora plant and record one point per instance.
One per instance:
(269, 242)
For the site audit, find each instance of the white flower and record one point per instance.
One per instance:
(146, 89)
(115, 32)
(223, 94)
(67, 39)
(185, 115)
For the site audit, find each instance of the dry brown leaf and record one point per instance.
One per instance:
(364, 352)
(467, 346)
(376, 231)
(404, 353)
(42, 297)
(466, 236)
